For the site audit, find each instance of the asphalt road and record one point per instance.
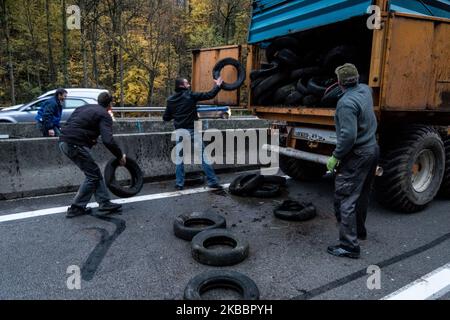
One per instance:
(135, 255)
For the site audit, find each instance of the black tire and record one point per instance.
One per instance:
(301, 170)
(295, 211)
(264, 73)
(318, 85)
(268, 86)
(194, 179)
(282, 93)
(221, 279)
(240, 70)
(445, 186)
(340, 55)
(301, 87)
(396, 188)
(281, 181)
(184, 225)
(137, 178)
(293, 99)
(245, 184)
(305, 73)
(267, 190)
(279, 44)
(310, 101)
(288, 58)
(331, 96)
(201, 252)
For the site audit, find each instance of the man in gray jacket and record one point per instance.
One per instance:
(355, 160)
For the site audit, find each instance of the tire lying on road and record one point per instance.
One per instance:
(201, 251)
(137, 178)
(267, 190)
(188, 226)
(295, 211)
(240, 70)
(414, 166)
(271, 179)
(213, 279)
(245, 184)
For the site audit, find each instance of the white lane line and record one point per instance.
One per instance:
(45, 212)
(429, 287)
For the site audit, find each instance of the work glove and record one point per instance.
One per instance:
(332, 163)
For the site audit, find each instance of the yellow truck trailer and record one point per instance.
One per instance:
(404, 54)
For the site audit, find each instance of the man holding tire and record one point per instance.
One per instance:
(355, 157)
(78, 136)
(182, 108)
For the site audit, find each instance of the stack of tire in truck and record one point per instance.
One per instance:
(298, 74)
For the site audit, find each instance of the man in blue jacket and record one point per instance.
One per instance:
(355, 157)
(49, 115)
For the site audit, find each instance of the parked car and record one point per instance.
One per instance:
(77, 92)
(28, 112)
(76, 97)
(213, 112)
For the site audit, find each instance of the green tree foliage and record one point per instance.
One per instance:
(134, 48)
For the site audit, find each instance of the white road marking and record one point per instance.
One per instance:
(429, 287)
(45, 212)
(50, 211)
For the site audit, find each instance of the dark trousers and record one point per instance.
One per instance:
(93, 183)
(44, 132)
(353, 184)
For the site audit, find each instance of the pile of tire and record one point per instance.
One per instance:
(206, 230)
(257, 185)
(296, 76)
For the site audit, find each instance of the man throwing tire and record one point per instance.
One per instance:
(182, 108)
(78, 136)
(355, 160)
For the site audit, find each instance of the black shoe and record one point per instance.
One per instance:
(216, 186)
(110, 207)
(179, 188)
(341, 251)
(75, 211)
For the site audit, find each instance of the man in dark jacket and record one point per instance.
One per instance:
(182, 108)
(78, 136)
(49, 115)
(356, 156)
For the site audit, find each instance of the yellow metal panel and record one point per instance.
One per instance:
(439, 97)
(202, 80)
(409, 64)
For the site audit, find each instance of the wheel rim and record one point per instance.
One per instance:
(423, 170)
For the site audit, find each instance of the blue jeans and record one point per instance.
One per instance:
(93, 183)
(207, 168)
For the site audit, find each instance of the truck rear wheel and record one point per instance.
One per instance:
(301, 170)
(445, 186)
(413, 170)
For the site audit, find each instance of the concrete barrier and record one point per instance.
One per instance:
(29, 130)
(35, 166)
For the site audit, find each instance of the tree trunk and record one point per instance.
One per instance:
(8, 50)
(65, 44)
(83, 44)
(51, 64)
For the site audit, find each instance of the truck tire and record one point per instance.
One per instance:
(245, 184)
(265, 89)
(240, 70)
(413, 168)
(301, 170)
(221, 279)
(293, 99)
(267, 190)
(137, 178)
(263, 73)
(282, 93)
(331, 96)
(445, 186)
(288, 58)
